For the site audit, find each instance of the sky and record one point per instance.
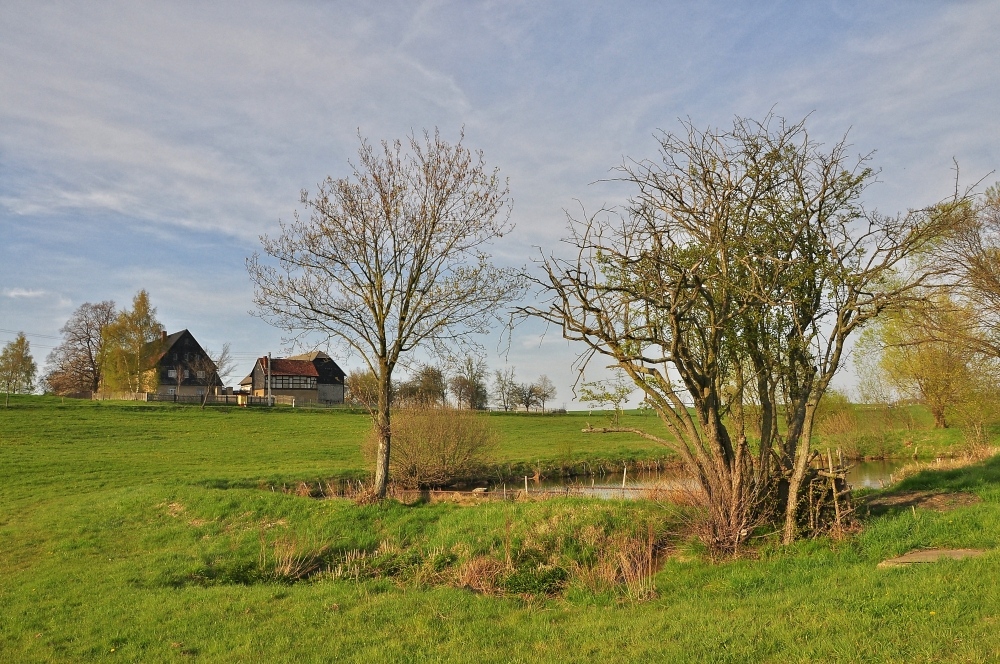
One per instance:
(150, 145)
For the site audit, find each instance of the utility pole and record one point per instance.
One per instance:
(269, 379)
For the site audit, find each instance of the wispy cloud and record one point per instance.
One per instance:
(148, 144)
(22, 292)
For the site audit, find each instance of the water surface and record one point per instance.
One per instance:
(862, 474)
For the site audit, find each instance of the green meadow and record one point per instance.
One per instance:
(149, 533)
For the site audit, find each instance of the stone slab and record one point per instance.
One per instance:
(921, 556)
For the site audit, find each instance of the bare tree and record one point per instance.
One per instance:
(526, 394)
(468, 385)
(504, 388)
(75, 364)
(733, 278)
(212, 369)
(392, 258)
(544, 390)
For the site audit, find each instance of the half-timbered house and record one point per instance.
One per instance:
(310, 378)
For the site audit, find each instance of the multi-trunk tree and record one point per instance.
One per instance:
(504, 389)
(726, 290)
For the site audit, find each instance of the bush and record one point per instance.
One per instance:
(434, 447)
(835, 414)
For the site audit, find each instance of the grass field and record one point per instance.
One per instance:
(138, 533)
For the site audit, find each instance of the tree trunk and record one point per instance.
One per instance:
(939, 420)
(383, 431)
(802, 452)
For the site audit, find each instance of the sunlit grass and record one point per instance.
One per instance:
(139, 533)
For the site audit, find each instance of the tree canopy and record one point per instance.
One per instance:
(17, 367)
(131, 348)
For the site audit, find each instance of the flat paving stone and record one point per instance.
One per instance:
(921, 556)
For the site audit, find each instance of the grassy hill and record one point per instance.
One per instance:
(138, 533)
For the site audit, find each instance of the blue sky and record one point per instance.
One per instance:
(148, 145)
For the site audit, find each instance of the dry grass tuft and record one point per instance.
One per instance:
(625, 563)
(291, 559)
(482, 574)
(352, 565)
(365, 495)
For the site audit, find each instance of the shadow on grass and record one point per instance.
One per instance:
(982, 475)
(938, 490)
(226, 484)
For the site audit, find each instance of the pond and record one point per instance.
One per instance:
(873, 474)
(862, 474)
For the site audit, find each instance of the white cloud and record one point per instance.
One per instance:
(147, 144)
(23, 292)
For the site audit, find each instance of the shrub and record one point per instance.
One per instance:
(437, 446)
(835, 414)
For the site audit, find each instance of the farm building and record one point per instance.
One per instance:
(310, 378)
(184, 367)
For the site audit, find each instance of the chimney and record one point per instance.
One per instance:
(163, 335)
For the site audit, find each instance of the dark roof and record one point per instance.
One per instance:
(283, 367)
(166, 343)
(171, 339)
(311, 357)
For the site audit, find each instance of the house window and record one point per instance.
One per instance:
(171, 373)
(187, 374)
(201, 391)
(185, 357)
(171, 391)
(201, 374)
(293, 383)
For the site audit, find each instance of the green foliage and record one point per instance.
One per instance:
(131, 348)
(612, 392)
(17, 366)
